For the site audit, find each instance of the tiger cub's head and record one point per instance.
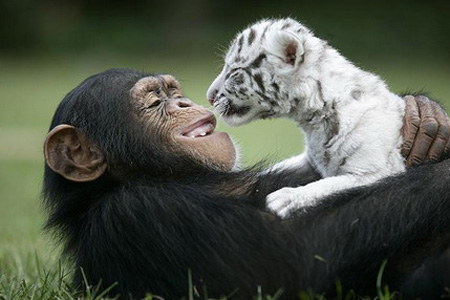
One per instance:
(262, 71)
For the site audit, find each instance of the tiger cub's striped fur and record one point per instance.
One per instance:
(351, 121)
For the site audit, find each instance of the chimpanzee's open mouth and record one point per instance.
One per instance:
(201, 128)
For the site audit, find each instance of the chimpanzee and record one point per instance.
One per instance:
(143, 192)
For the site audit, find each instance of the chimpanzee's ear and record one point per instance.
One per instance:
(69, 153)
(286, 46)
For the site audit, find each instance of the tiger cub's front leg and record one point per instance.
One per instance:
(287, 200)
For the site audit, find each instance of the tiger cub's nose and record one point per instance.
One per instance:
(212, 96)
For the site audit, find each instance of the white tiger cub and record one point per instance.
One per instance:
(351, 121)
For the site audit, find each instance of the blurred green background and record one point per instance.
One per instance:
(47, 47)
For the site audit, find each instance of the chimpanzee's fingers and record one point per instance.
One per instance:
(442, 138)
(428, 129)
(410, 125)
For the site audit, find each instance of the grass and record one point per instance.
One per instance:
(41, 283)
(30, 90)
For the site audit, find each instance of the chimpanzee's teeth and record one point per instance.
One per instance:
(201, 131)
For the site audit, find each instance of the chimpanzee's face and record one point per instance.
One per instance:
(183, 127)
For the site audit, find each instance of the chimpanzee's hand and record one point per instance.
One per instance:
(426, 131)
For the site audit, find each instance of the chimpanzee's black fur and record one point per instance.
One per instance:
(168, 217)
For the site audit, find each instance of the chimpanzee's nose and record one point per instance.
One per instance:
(176, 104)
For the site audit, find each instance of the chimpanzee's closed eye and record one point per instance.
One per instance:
(154, 104)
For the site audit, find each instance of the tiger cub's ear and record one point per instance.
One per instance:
(285, 46)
